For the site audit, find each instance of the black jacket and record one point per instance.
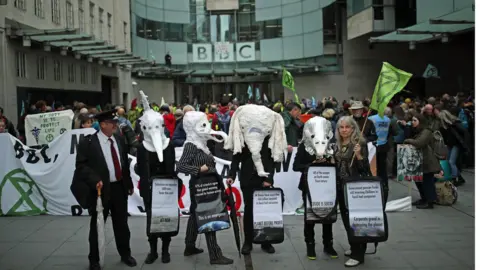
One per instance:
(149, 166)
(248, 172)
(91, 167)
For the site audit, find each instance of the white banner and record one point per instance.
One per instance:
(38, 181)
(43, 128)
(365, 208)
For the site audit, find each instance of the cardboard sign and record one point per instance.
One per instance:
(267, 216)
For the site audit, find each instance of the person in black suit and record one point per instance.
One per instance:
(102, 163)
(249, 180)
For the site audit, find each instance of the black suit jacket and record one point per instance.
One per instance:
(248, 172)
(91, 167)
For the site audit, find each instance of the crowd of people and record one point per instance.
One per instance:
(417, 122)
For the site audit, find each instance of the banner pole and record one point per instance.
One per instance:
(363, 128)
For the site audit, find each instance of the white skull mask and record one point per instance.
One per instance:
(317, 133)
(153, 129)
(198, 130)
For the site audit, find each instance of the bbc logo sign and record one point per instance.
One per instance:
(223, 52)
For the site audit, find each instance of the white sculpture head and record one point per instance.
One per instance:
(153, 128)
(198, 130)
(317, 133)
(250, 125)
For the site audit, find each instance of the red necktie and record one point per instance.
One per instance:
(116, 162)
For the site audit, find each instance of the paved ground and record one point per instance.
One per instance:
(438, 239)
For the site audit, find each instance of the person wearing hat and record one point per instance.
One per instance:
(102, 163)
(357, 109)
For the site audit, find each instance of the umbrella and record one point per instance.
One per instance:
(233, 217)
(100, 228)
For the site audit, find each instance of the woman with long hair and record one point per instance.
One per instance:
(350, 143)
(423, 140)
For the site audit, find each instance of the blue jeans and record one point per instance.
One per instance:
(452, 160)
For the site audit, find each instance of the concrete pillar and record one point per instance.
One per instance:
(237, 91)
(190, 94)
(215, 93)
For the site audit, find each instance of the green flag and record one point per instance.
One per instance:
(287, 81)
(391, 81)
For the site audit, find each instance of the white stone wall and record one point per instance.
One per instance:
(120, 11)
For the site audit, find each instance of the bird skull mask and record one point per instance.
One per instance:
(198, 130)
(250, 125)
(153, 129)
(317, 133)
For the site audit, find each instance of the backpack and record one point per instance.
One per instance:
(446, 193)
(223, 121)
(439, 147)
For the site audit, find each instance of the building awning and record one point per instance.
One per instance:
(81, 45)
(438, 28)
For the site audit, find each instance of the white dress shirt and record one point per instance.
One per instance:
(105, 144)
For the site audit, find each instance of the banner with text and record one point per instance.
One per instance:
(43, 128)
(35, 181)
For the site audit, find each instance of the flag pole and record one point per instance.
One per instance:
(361, 132)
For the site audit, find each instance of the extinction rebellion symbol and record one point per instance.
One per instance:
(20, 195)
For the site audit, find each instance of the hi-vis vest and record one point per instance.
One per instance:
(381, 126)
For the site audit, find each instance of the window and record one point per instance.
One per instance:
(69, 15)
(57, 70)
(83, 74)
(20, 64)
(20, 4)
(39, 11)
(94, 75)
(41, 67)
(248, 29)
(71, 73)
(81, 17)
(150, 29)
(140, 26)
(153, 30)
(109, 26)
(92, 19)
(271, 29)
(56, 11)
(125, 35)
(100, 23)
(222, 28)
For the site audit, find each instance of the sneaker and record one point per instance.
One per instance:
(222, 261)
(151, 258)
(348, 253)
(352, 263)
(425, 206)
(330, 251)
(311, 254)
(166, 257)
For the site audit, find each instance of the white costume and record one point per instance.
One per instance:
(317, 133)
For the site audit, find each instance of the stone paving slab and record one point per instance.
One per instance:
(438, 239)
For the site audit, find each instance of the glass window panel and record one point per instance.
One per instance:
(173, 32)
(140, 26)
(222, 28)
(272, 29)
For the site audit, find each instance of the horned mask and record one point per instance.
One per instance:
(198, 130)
(250, 125)
(153, 128)
(317, 133)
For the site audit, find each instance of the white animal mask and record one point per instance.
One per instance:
(317, 132)
(251, 124)
(153, 128)
(198, 130)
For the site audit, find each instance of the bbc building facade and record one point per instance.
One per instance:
(332, 47)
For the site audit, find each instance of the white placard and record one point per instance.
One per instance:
(365, 208)
(322, 184)
(164, 206)
(202, 53)
(267, 209)
(43, 128)
(224, 52)
(245, 51)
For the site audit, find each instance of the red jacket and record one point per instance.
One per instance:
(222, 110)
(169, 120)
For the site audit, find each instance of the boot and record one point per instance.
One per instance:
(222, 261)
(311, 254)
(418, 202)
(165, 254)
(330, 251)
(246, 248)
(153, 255)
